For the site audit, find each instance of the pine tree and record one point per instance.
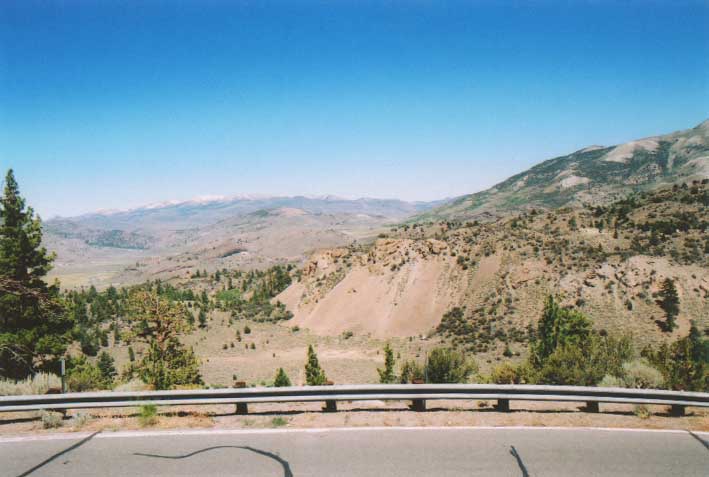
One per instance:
(314, 375)
(106, 365)
(131, 354)
(558, 327)
(202, 318)
(158, 321)
(282, 379)
(669, 303)
(34, 328)
(386, 375)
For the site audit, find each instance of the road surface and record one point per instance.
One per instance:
(361, 452)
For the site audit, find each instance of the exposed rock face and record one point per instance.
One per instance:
(609, 262)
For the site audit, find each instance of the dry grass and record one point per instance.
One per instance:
(345, 360)
(40, 383)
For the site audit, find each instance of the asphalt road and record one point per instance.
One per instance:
(362, 452)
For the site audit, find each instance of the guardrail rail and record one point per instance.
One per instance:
(418, 394)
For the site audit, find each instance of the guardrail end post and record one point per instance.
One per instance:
(677, 410)
(242, 408)
(330, 406)
(418, 405)
(503, 405)
(592, 406)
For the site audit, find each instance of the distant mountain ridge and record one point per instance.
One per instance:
(212, 209)
(592, 175)
(168, 239)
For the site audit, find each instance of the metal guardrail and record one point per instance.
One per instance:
(417, 393)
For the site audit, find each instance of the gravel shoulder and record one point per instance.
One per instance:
(361, 414)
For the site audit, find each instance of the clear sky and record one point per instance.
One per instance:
(117, 104)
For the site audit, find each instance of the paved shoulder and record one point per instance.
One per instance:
(363, 452)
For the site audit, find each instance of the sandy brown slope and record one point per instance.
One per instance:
(400, 289)
(499, 273)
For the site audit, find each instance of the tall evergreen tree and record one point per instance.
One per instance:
(158, 321)
(685, 363)
(106, 365)
(314, 375)
(558, 327)
(669, 302)
(34, 330)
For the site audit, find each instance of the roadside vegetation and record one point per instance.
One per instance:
(39, 324)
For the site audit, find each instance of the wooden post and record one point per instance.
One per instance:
(677, 410)
(592, 406)
(503, 405)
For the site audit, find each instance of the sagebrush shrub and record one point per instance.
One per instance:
(51, 419)
(40, 383)
(638, 373)
(148, 415)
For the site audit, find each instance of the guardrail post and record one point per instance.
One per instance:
(592, 406)
(330, 404)
(677, 410)
(418, 405)
(63, 412)
(503, 405)
(241, 407)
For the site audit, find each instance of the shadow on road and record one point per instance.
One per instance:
(520, 463)
(284, 463)
(701, 441)
(58, 454)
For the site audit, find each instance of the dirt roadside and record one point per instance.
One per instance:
(357, 414)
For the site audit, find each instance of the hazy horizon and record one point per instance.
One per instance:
(120, 106)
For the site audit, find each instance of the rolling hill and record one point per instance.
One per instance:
(593, 175)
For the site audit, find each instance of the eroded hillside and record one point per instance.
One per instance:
(483, 284)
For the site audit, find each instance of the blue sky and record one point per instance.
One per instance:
(118, 104)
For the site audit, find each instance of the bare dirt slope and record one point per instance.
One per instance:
(398, 290)
(484, 284)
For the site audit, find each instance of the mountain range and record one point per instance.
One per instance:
(168, 239)
(171, 239)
